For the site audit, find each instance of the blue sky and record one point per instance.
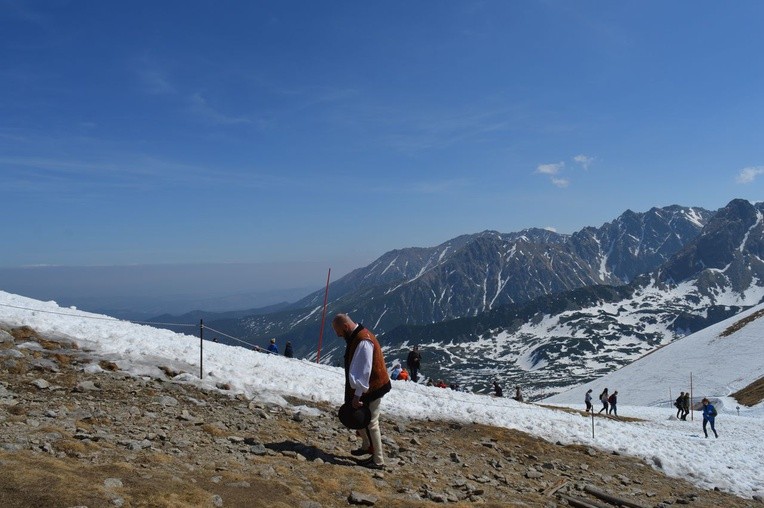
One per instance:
(331, 132)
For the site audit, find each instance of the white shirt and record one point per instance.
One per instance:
(360, 367)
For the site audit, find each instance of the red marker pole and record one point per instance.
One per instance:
(323, 317)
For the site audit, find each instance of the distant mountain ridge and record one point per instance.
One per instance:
(537, 307)
(472, 274)
(570, 338)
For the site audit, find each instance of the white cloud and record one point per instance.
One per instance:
(550, 228)
(152, 76)
(201, 107)
(749, 174)
(584, 160)
(550, 169)
(155, 82)
(560, 182)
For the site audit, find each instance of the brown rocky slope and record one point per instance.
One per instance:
(72, 438)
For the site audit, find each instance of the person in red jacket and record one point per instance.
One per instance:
(613, 401)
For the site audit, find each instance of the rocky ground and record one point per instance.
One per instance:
(70, 438)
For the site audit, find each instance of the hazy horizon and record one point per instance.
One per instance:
(174, 289)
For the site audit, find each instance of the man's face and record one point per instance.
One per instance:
(340, 329)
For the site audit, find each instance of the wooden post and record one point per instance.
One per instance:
(323, 318)
(201, 349)
(609, 498)
(692, 415)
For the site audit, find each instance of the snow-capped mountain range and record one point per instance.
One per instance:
(538, 308)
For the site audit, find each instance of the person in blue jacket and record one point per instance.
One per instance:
(273, 348)
(709, 415)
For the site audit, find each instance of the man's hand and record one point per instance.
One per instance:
(357, 402)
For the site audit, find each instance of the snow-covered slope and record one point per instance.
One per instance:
(721, 359)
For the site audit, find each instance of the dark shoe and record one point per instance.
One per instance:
(717, 435)
(361, 451)
(370, 464)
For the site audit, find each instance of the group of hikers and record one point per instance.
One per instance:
(274, 349)
(411, 370)
(682, 405)
(499, 392)
(609, 402)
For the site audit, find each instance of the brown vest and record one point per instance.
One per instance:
(379, 380)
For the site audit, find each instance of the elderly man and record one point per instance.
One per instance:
(366, 382)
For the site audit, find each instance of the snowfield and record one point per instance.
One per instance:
(719, 366)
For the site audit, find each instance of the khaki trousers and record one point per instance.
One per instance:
(371, 435)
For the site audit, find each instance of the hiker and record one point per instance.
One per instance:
(396, 371)
(273, 348)
(288, 350)
(403, 375)
(679, 405)
(603, 398)
(685, 405)
(709, 416)
(613, 400)
(497, 391)
(366, 382)
(413, 362)
(518, 395)
(588, 401)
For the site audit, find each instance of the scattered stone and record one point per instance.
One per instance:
(361, 499)
(112, 483)
(41, 384)
(258, 449)
(168, 401)
(86, 386)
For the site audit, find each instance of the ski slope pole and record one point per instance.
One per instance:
(323, 318)
(201, 349)
(692, 415)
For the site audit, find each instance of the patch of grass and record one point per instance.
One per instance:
(16, 367)
(23, 332)
(214, 430)
(741, 323)
(17, 410)
(107, 365)
(71, 447)
(63, 359)
(751, 394)
(49, 344)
